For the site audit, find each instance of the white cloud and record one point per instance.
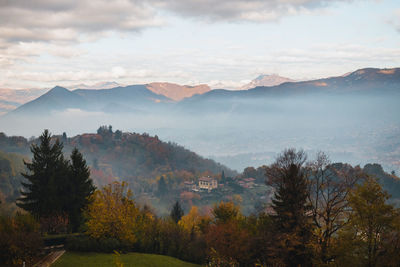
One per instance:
(66, 20)
(31, 30)
(226, 71)
(65, 23)
(71, 20)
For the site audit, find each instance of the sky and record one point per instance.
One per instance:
(223, 43)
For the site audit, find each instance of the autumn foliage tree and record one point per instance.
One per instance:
(329, 188)
(227, 238)
(112, 213)
(371, 221)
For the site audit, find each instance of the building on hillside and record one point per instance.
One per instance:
(208, 183)
(247, 183)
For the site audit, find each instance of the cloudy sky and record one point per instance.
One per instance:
(224, 43)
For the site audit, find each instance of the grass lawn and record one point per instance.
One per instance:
(129, 259)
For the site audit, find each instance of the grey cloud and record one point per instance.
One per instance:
(68, 20)
(72, 21)
(46, 20)
(240, 10)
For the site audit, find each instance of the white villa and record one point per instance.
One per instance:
(208, 183)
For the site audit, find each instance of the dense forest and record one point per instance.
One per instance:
(157, 172)
(318, 214)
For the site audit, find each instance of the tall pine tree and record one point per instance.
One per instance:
(291, 208)
(81, 186)
(56, 186)
(48, 169)
(176, 212)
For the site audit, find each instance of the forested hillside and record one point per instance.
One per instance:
(139, 159)
(142, 160)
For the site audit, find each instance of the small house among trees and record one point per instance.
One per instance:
(208, 183)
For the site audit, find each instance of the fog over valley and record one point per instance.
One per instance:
(352, 118)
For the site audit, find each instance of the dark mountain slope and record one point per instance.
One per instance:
(124, 99)
(57, 99)
(133, 94)
(382, 83)
(368, 80)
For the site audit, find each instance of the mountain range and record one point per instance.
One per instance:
(266, 80)
(144, 98)
(353, 117)
(10, 99)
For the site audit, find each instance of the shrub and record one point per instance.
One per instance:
(85, 243)
(19, 240)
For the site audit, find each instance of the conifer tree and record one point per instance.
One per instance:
(177, 212)
(81, 187)
(48, 169)
(56, 186)
(291, 219)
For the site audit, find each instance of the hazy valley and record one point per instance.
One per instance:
(353, 118)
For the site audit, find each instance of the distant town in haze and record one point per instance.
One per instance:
(200, 133)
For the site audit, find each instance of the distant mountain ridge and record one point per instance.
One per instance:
(163, 96)
(177, 92)
(99, 85)
(266, 80)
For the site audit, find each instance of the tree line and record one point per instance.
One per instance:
(320, 215)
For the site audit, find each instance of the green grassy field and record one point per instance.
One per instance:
(129, 259)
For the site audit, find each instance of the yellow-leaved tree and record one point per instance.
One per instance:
(191, 221)
(112, 213)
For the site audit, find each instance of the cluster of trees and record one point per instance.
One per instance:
(57, 188)
(55, 192)
(319, 216)
(322, 214)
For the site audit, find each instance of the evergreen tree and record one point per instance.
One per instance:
(291, 218)
(177, 212)
(56, 186)
(48, 169)
(81, 187)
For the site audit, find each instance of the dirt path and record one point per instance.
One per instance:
(50, 258)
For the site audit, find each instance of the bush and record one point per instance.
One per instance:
(55, 240)
(85, 243)
(19, 240)
(57, 224)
